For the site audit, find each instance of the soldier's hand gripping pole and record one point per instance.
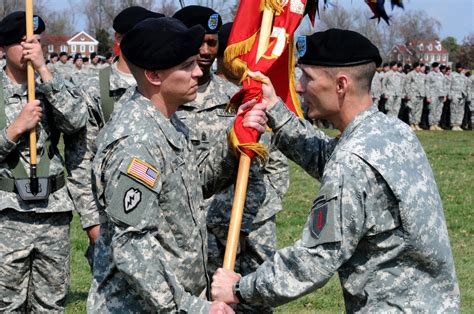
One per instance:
(31, 97)
(240, 192)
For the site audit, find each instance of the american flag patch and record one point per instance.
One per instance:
(143, 172)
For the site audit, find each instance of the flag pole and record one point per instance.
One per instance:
(31, 97)
(240, 192)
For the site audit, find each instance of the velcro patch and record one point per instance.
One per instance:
(143, 172)
(319, 217)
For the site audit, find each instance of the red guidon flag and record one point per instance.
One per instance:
(277, 62)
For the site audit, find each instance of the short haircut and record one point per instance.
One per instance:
(362, 74)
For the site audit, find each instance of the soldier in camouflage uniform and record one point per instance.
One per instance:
(470, 96)
(63, 67)
(2, 59)
(435, 96)
(80, 147)
(392, 89)
(34, 234)
(457, 93)
(415, 92)
(377, 220)
(208, 121)
(376, 86)
(152, 250)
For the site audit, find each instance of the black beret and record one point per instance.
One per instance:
(416, 64)
(143, 45)
(129, 17)
(385, 64)
(442, 67)
(223, 35)
(337, 47)
(53, 54)
(63, 53)
(392, 63)
(399, 64)
(434, 64)
(77, 56)
(93, 55)
(459, 65)
(13, 27)
(198, 15)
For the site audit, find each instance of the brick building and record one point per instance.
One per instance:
(81, 42)
(426, 51)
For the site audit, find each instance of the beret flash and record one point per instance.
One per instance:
(337, 48)
(129, 17)
(143, 44)
(192, 15)
(13, 27)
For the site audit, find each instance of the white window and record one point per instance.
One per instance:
(432, 58)
(91, 48)
(73, 48)
(50, 48)
(427, 58)
(438, 57)
(63, 48)
(83, 48)
(430, 47)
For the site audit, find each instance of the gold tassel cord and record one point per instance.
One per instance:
(232, 52)
(259, 149)
(291, 73)
(274, 5)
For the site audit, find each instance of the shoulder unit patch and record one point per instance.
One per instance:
(143, 172)
(131, 199)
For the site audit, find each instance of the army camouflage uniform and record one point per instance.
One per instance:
(34, 235)
(415, 91)
(435, 91)
(457, 93)
(377, 220)
(392, 87)
(376, 87)
(209, 122)
(63, 69)
(80, 147)
(152, 250)
(3, 62)
(471, 96)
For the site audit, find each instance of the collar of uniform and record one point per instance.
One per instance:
(11, 88)
(208, 98)
(358, 121)
(172, 134)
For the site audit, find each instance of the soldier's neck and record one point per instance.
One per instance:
(122, 66)
(205, 78)
(18, 77)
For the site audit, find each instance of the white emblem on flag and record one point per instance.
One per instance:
(132, 199)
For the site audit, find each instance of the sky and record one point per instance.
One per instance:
(456, 16)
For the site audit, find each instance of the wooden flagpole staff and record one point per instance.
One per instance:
(240, 192)
(31, 97)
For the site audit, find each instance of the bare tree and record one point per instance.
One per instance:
(416, 25)
(60, 22)
(9, 6)
(226, 9)
(167, 7)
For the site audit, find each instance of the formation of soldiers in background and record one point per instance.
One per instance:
(427, 97)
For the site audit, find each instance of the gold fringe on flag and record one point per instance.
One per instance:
(274, 5)
(260, 150)
(231, 53)
(291, 73)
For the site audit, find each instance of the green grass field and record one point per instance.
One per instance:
(452, 158)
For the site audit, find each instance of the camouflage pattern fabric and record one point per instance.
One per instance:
(64, 70)
(415, 91)
(208, 122)
(435, 91)
(80, 147)
(457, 93)
(377, 220)
(35, 235)
(392, 87)
(471, 96)
(376, 86)
(152, 250)
(34, 250)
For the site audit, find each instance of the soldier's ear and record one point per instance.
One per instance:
(153, 77)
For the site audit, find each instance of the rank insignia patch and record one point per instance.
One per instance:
(143, 172)
(318, 220)
(213, 21)
(301, 45)
(131, 199)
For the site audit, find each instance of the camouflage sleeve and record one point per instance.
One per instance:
(79, 151)
(330, 237)
(68, 106)
(6, 146)
(277, 172)
(299, 140)
(218, 168)
(137, 253)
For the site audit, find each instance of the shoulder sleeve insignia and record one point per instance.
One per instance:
(318, 220)
(131, 199)
(143, 172)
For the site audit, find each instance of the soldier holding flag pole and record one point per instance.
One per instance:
(35, 210)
